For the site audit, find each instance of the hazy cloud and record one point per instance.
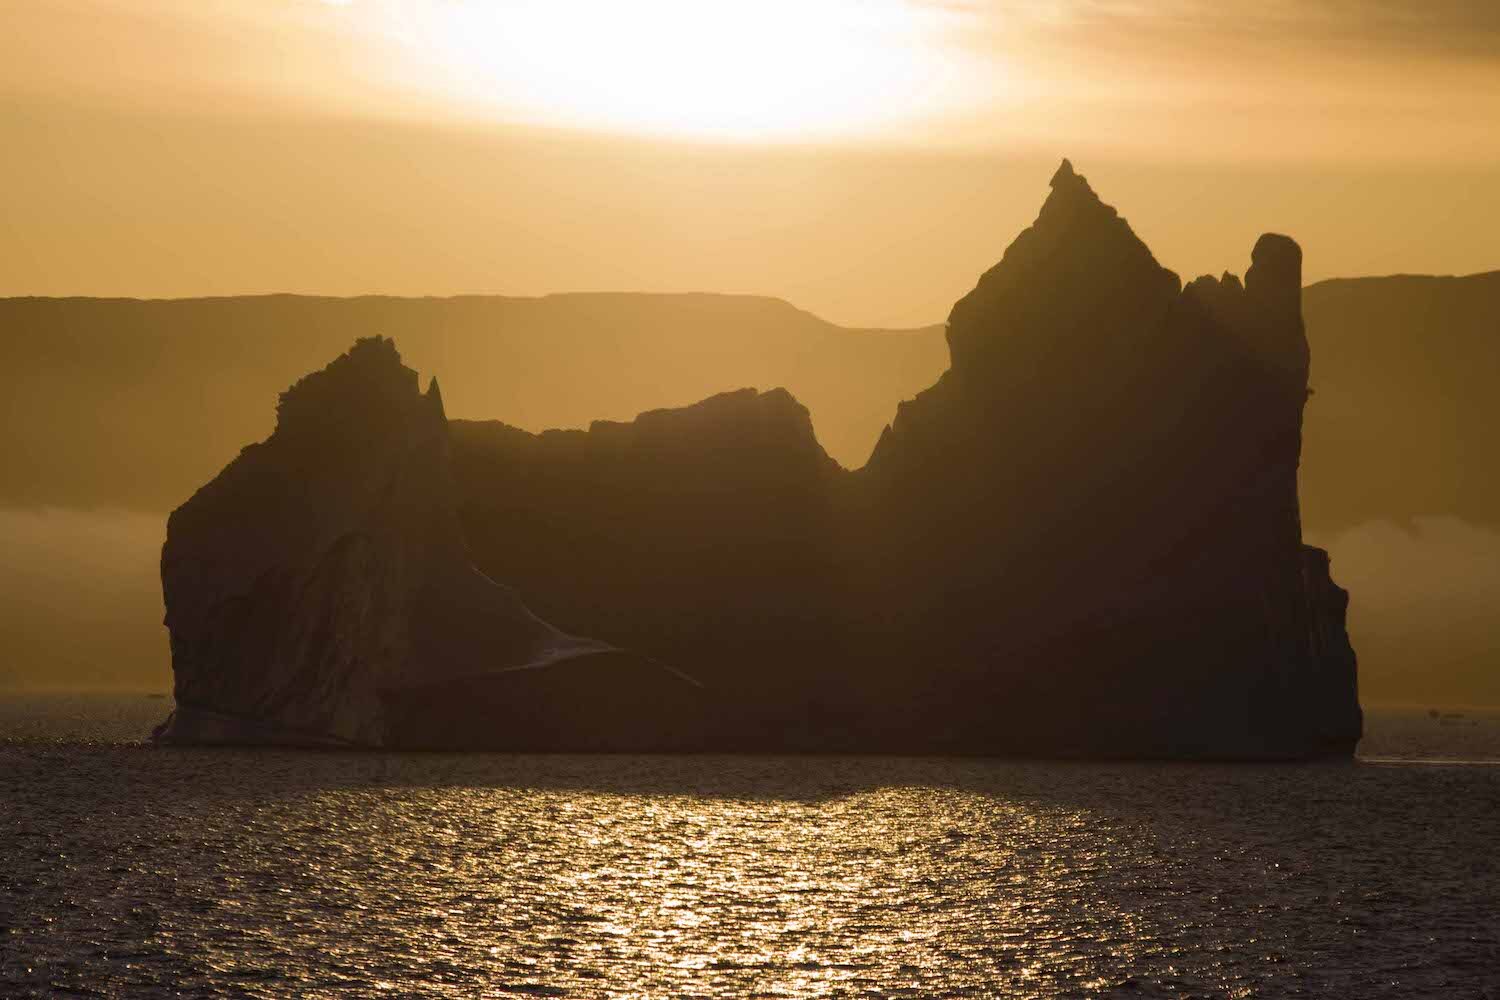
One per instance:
(1444, 26)
(1362, 79)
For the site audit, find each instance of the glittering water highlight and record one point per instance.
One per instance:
(126, 870)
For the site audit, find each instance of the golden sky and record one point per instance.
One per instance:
(865, 159)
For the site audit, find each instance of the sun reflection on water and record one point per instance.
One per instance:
(272, 874)
(784, 896)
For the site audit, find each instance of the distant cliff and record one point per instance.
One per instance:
(1103, 490)
(710, 535)
(124, 403)
(1083, 540)
(1407, 393)
(318, 592)
(110, 405)
(1400, 482)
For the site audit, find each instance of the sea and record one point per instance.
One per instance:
(133, 871)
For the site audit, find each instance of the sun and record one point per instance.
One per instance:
(764, 69)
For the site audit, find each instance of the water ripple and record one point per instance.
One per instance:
(130, 871)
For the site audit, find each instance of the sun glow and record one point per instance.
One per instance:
(755, 70)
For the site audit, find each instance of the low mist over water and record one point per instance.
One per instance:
(81, 605)
(80, 599)
(1422, 607)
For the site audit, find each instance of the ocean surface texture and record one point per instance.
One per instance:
(132, 871)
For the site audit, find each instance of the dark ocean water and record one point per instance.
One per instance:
(132, 871)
